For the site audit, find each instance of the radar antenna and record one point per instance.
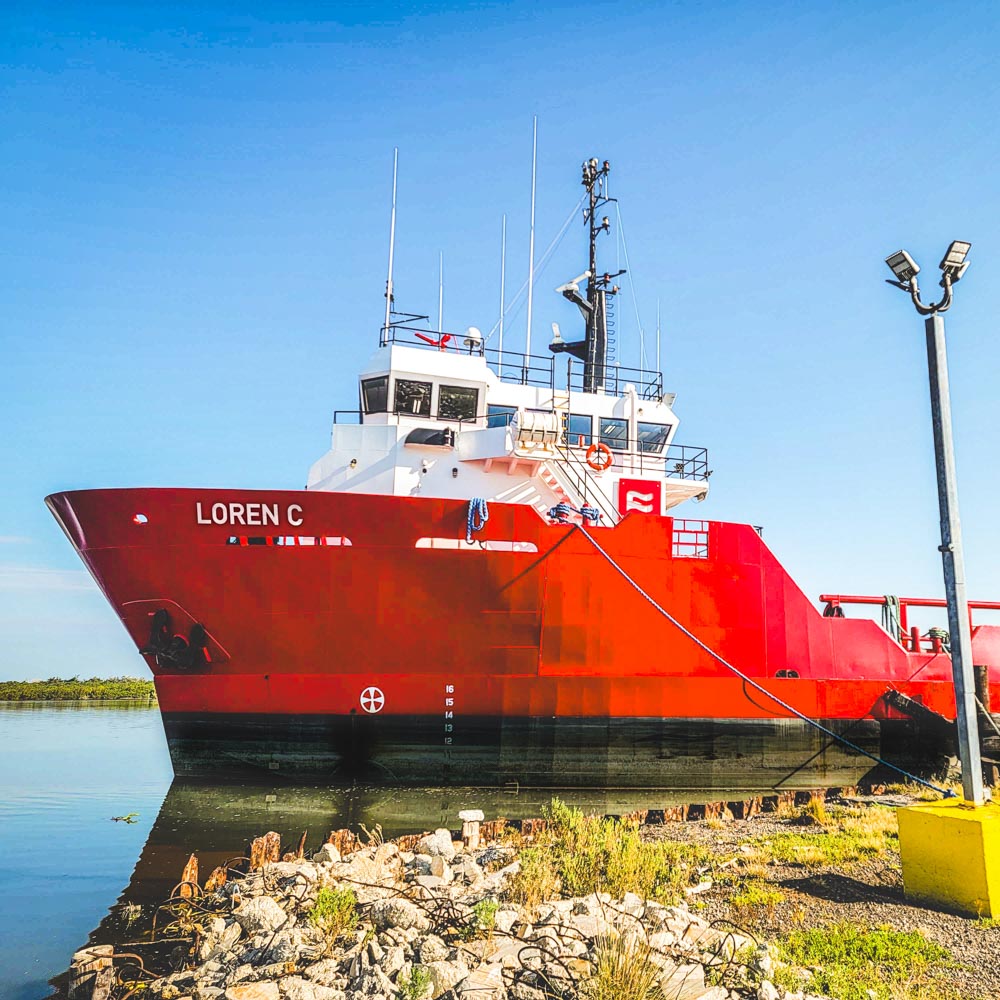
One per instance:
(593, 349)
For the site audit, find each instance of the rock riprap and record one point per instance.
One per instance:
(438, 922)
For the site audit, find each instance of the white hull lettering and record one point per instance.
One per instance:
(248, 514)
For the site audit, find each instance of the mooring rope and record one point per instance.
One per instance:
(479, 514)
(947, 793)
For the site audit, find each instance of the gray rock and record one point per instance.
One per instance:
(685, 982)
(393, 961)
(260, 915)
(298, 870)
(433, 949)
(283, 946)
(238, 974)
(468, 869)
(591, 925)
(399, 913)
(483, 984)
(327, 854)
(768, 991)
(297, 988)
(440, 868)
(762, 963)
(444, 975)
(430, 882)
(438, 844)
(633, 904)
(522, 991)
(505, 920)
(326, 972)
(253, 991)
(221, 935)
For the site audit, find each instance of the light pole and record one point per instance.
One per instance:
(953, 267)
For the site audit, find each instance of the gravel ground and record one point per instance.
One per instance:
(865, 893)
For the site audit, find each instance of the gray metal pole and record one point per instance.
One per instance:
(954, 565)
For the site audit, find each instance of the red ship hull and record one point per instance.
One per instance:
(490, 664)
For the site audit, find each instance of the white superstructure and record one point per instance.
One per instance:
(438, 420)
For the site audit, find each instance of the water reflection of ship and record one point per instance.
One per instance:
(216, 822)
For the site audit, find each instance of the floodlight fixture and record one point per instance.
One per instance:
(954, 262)
(903, 266)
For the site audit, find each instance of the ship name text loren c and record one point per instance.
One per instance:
(248, 514)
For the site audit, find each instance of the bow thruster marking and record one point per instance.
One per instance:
(372, 700)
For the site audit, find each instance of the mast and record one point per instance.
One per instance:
(503, 268)
(531, 243)
(440, 290)
(595, 180)
(392, 244)
(593, 349)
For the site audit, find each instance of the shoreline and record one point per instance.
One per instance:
(93, 689)
(716, 908)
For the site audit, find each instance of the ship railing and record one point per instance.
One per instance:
(679, 461)
(687, 462)
(896, 615)
(523, 369)
(404, 331)
(464, 423)
(614, 379)
(582, 480)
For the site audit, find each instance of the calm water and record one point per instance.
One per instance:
(67, 869)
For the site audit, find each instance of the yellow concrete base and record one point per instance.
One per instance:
(951, 855)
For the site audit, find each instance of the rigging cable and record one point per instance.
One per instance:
(540, 266)
(631, 285)
(749, 680)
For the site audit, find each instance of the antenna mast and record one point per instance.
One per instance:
(503, 268)
(392, 245)
(593, 349)
(595, 180)
(531, 240)
(440, 289)
(658, 335)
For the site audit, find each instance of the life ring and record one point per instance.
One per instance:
(599, 464)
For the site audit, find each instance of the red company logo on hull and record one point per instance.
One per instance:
(642, 495)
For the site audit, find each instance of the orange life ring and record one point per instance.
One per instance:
(599, 464)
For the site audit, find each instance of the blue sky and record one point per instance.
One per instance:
(195, 208)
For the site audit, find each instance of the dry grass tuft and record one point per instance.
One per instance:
(624, 970)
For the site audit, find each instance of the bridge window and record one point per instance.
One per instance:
(375, 394)
(413, 397)
(614, 433)
(652, 437)
(499, 416)
(579, 430)
(457, 402)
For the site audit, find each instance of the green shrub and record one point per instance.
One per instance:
(593, 854)
(415, 986)
(335, 911)
(538, 878)
(847, 962)
(756, 899)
